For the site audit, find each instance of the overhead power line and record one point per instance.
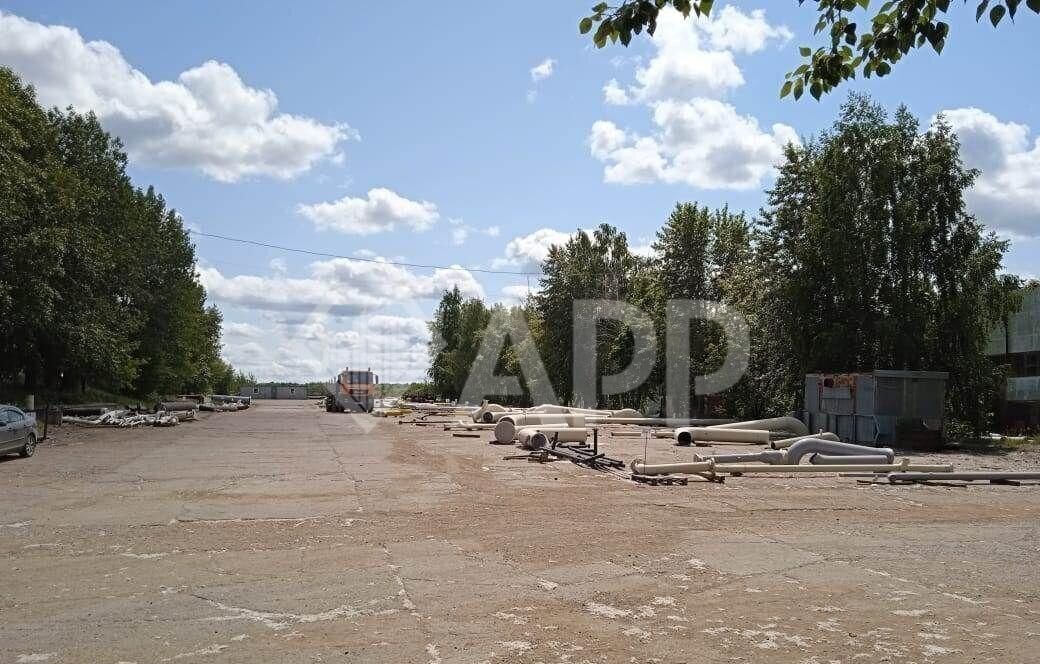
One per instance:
(360, 260)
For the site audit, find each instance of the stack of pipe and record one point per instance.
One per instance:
(533, 438)
(507, 427)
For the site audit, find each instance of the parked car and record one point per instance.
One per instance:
(17, 431)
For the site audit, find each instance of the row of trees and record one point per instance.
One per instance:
(97, 277)
(863, 258)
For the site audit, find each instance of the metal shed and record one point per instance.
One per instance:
(883, 407)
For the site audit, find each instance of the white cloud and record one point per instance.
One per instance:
(614, 94)
(733, 30)
(517, 294)
(543, 70)
(317, 346)
(459, 235)
(1006, 195)
(339, 287)
(703, 143)
(207, 119)
(461, 231)
(241, 331)
(380, 211)
(698, 139)
(528, 251)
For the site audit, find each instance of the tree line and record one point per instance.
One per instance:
(97, 276)
(864, 257)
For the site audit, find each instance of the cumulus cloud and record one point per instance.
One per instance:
(1006, 195)
(698, 139)
(528, 251)
(543, 70)
(703, 143)
(207, 119)
(339, 287)
(461, 231)
(380, 211)
(517, 294)
(316, 346)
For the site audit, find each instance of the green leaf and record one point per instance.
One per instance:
(863, 3)
(805, 51)
(996, 14)
(1034, 5)
(786, 90)
(799, 88)
(585, 25)
(981, 9)
(816, 90)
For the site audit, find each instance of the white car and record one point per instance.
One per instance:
(17, 431)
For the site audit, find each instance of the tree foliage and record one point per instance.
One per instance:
(863, 258)
(869, 44)
(97, 277)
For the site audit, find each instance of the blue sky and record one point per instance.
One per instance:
(434, 123)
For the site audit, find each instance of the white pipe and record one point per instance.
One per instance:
(524, 419)
(687, 435)
(818, 459)
(765, 456)
(532, 438)
(775, 424)
(506, 431)
(741, 468)
(807, 446)
(784, 443)
(640, 468)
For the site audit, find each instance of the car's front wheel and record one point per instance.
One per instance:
(30, 446)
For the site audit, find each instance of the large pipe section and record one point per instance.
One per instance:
(784, 443)
(818, 459)
(774, 424)
(687, 468)
(765, 456)
(505, 430)
(742, 468)
(807, 446)
(687, 435)
(657, 421)
(968, 476)
(536, 438)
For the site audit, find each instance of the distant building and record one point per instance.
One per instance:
(274, 391)
(1018, 346)
(353, 391)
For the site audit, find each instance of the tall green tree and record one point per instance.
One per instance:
(872, 261)
(97, 277)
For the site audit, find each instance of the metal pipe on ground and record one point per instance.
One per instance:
(774, 424)
(740, 469)
(810, 445)
(537, 438)
(818, 459)
(687, 468)
(766, 456)
(784, 443)
(507, 428)
(655, 433)
(687, 435)
(967, 476)
(669, 422)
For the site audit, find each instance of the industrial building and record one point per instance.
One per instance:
(883, 407)
(1017, 345)
(274, 391)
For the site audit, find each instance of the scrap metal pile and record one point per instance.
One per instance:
(162, 414)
